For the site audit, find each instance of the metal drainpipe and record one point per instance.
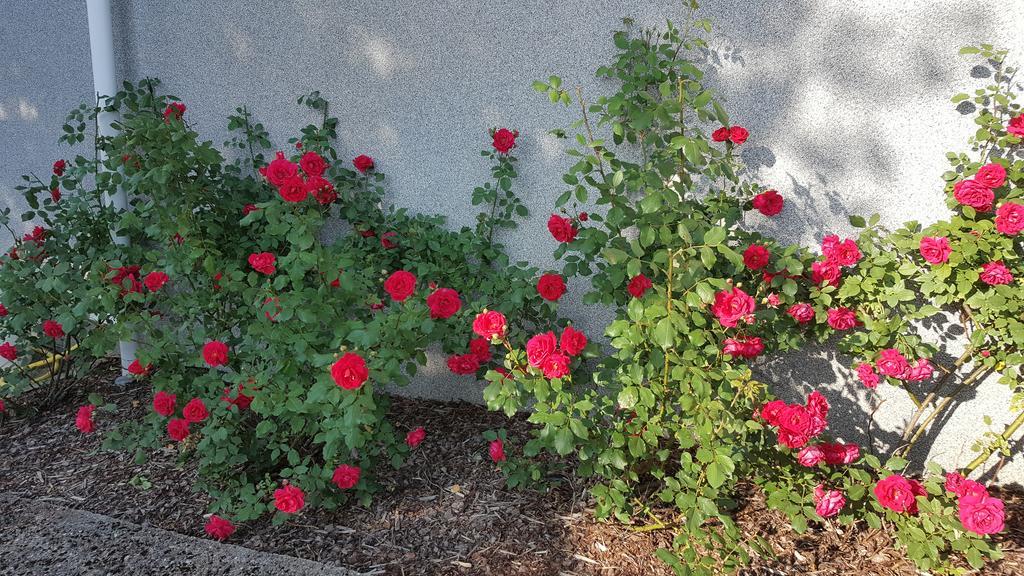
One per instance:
(101, 45)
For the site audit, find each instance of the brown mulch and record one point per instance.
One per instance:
(445, 512)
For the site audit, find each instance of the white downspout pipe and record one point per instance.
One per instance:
(101, 45)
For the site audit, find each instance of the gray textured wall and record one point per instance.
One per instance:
(846, 102)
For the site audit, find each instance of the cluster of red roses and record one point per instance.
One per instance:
(731, 307)
(283, 174)
(551, 355)
(735, 134)
(194, 412)
(892, 363)
(979, 512)
(797, 423)
(127, 279)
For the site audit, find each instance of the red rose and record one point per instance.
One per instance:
(738, 134)
(828, 503)
(443, 303)
(83, 419)
(773, 300)
(219, 528)
(826, 271)
(749, 347)
(991, 175)
(540, 347)
(350, 371)
(842, 318)
(386, 240)
(363, 163)
(280, 170)
(866, 373)
(892, 363)
(770, 411)
(551, 287)
(58, 167)
(177, 429)
(730, 307)
(464, 364)
(215, 353)
(415, 437)
(55, 195)
(8, 351)
(561, 228)
(504, 140)
(263, 262)
(490, 324)
(974, 194)
(321, 189)
(935, 249)
(3, 310)
(481, 349)
(293, 189)
(289, 499)
(993, 274)
(981, 514)
(810, 456)
(53, 329)
(817, 408)
(163, 403)
(400, 285)
(496, 450)
(174, 110)
(556, 365)
(249, 209)
(842, 253)
(573, 341)
(899, 494)
(313, 164)
(195, 411)
(720, 135)
(584, 217)
(1010, 218)
(836, 454)
(756, 257)
(1016, 126)
(638, 285)
(240, 400)
(346, 476)
(155, 280)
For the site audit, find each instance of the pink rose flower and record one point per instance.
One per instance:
(810, 456)
(935, 249)
(899, 494)
(769, 202)
(1010, 218)
(974, 194)
(995, 273)
(743, 347)
(842, 318)
(991, 175)
(866, 373)
(802, 312)
(539, 347)
(891, 363)
(981, 514)
(732, 306)
(828, 503)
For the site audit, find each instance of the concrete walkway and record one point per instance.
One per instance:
(38, 538)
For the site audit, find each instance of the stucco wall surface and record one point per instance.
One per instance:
(847, 102)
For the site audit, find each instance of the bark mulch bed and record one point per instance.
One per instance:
(446, 512)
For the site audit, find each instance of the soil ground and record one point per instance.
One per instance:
(445, 513)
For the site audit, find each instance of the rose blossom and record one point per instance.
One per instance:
(551, 287)
(732, 306)
(175, 110)
(346, 476)
(773, 300)
(1016, 126)
(504, 140)
(769, 202)
(137, 369)
(464, 364)
(794, 423)
(58, 167)
(756, 257)
(828, 503)
(263, 262)
(496, 450)
(83, 419)
(836, 454)
(974, 194)
(155, 280)
(480, 348)
(55, 195)
(898, 493)
(218, 528)
(720, 134)
(443, 303)
(995, 273)
(922, 370)
(573, 341)
(991, 175)
(935, 249)
(53, 329)
(293, 189)
(8, 351)
(414, 437)
(177, 429)
(825, 271)
(363, 163)
(289, 499)
(866, 373)
(163, 403)
(539, 347)
(891, 363)
(561, 228)
(981, 514)
(741, 347)
(400, 285)
(810, 456)
(771, 410)
(313, 164)
(321, 189)
(738, 134)
(490, 324)
(195, 411)
(1010, 218)
(280, 170)
(638, 285)
(215, 353)
(802, 312)
(556, 365)
(350, 371)
(249, 209)
(817, 407)
(842, 318)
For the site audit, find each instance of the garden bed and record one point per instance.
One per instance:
(446, 513)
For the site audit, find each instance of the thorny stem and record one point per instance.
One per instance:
(972, 378)
(590, 132)
(1008, 433)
